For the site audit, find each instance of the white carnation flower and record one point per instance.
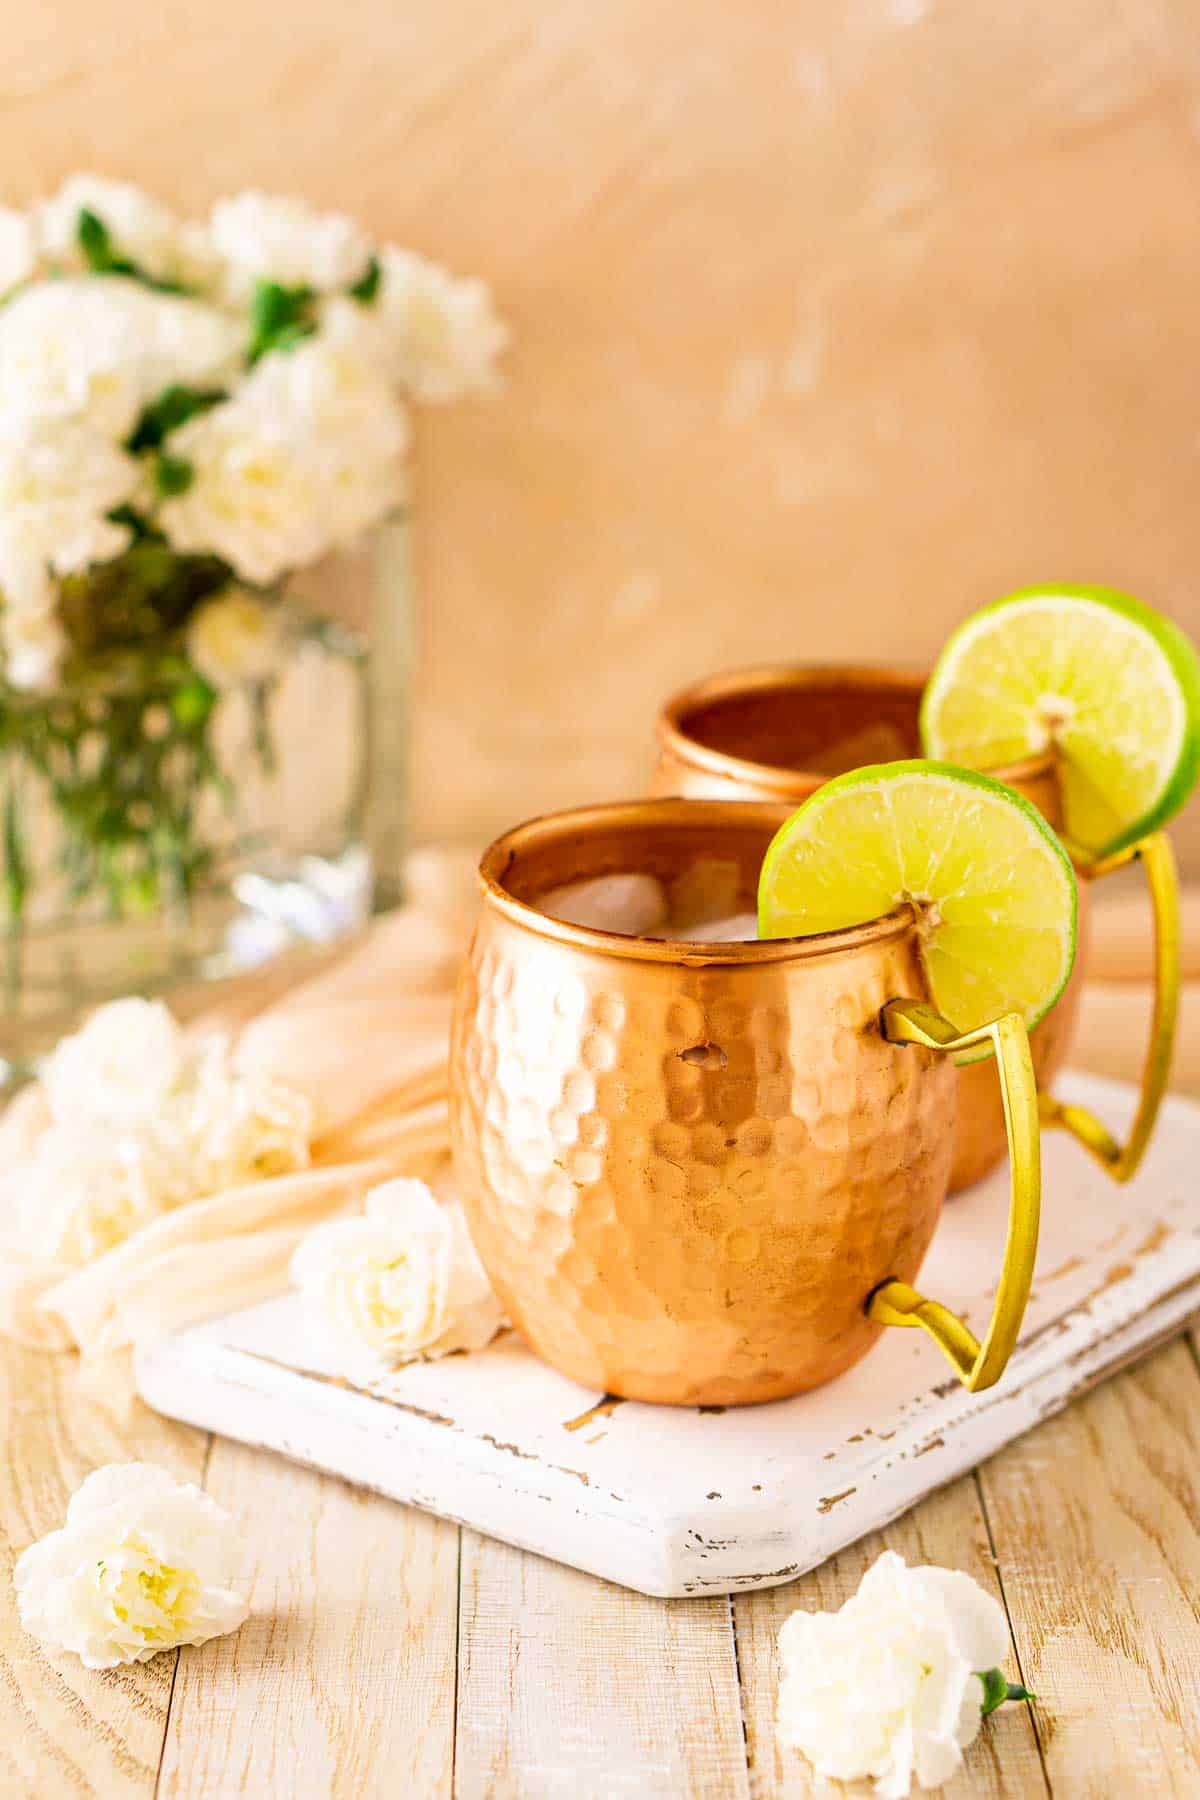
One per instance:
(121, 1065)
(18, 249)
(271, 237)
(235, 638)
(141, 229)
(235, 1125)
(58, 482)
(88, 1186)
(143, 1564)
(889, 1686)
(304, 458)
(142, 1121)
(402, 1281)
(437, 335)
(100, 347)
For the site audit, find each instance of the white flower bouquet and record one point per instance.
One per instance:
(190, 412)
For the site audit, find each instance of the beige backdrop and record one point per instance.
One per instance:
(834, 318)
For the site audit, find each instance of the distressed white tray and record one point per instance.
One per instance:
(673, 1501)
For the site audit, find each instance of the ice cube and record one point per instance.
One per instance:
(708, 889)
(633, 904)
(735, 928)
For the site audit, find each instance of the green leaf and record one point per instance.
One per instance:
(280, 317)
(95, 241)
(996, 1690)
(366, 287)
(173, 408)
(172, 475)
(96, 245)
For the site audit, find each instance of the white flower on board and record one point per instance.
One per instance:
(141, 229)
(18, 249)
(436, 334)
(401, 1281)
(305, 457)
(234, 638)
(273, 237)
(143, 1564)
(99, 347)
(121, 1065)
(890, 1685)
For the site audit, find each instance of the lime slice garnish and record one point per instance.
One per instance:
(992, 887)
(1107, 683)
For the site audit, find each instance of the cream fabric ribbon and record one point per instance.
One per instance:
(367, 1041)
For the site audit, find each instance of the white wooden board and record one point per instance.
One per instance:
(675, 1501)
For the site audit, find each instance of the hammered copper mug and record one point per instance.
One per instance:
(708, 1173)
(778, 733)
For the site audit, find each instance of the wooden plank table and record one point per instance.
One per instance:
(390, 1653)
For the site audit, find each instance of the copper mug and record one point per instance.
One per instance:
(778, 733)
(709, 1173)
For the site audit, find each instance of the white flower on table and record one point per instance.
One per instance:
(87, 1188)
(305, 457)
(436, 334)
(142, 1120)
(234, 638)
(100, 347)
(273, 237)
(401, 1281)
(141, 229)
(891, 1685)
(120, 1065)
(143, 1564)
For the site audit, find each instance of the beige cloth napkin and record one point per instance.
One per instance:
(367, 1040)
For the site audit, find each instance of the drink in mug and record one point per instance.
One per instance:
(701, 1171)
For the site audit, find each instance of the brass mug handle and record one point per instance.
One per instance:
(1121, 1160)
(894, 1302)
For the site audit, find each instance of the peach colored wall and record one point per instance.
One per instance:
(834, 317)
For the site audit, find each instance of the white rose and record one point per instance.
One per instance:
(141, 229)
(235, 638)
(305, 457)
(439, 336)
(271, 237)
(18, 249)
(121, 1065)
(142, 1564)
(401, 1281)
(889, 1686)
(100, 347)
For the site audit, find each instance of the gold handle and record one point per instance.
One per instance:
(894, 1302)
(1122, 1161)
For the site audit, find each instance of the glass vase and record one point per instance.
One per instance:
(158, 829)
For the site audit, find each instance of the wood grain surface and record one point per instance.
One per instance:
(831, 321)
(391, 1653)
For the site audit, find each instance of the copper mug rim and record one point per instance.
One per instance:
(761, 678)
(617, 815)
